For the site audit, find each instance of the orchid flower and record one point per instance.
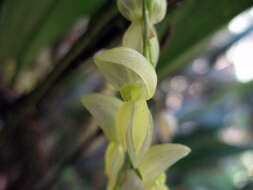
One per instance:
(127, 123)
(128, 127)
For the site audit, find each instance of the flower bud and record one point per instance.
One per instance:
(158, 11)
(133, 38)
(130, 9)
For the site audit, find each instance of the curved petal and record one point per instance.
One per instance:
(104, 109)
(133, 38)
(135, 128)
(122, 122)
(158, 159)
(114, 159)
(124, 66)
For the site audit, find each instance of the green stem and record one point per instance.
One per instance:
(150, 5)
(150, 54)
(146, 13)
(145, 26)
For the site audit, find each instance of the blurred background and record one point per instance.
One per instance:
(204, 97)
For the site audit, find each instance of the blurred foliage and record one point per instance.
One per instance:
(47, 139)
(192, 25)
(37, 24)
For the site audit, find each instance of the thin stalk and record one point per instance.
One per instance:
(150, 5)
(145, 26)
(150, 54)
(146, 13)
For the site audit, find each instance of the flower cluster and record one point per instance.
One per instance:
(130, 160)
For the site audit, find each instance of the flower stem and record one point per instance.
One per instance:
(145, 26)
(146, 13)
(150, 5)
(150, 54)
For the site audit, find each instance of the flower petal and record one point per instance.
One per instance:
(158, 159)
(133, 37)
(125, 66)
(114, 159)
(104, 109)
(135, 128)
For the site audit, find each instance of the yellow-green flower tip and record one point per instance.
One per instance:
(132, 92)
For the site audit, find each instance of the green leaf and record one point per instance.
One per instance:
(19, 20)
(27, 26)
(59, 21)
(104, 109)
(158, 159)
(123, 66)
